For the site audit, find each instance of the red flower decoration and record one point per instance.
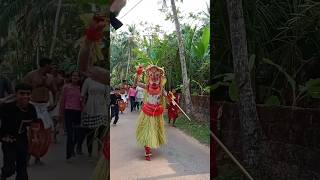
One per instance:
(95, 31)
(139, 70)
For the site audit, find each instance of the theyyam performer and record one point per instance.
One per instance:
(150, 132)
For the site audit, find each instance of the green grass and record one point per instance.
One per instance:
(199, 131)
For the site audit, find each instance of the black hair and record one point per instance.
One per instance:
(75, 71)
(23, 87)
(44, 61)
(79, 74)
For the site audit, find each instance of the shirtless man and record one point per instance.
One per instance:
(42, 83)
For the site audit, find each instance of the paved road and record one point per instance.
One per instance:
(182, 158)
(55, 166)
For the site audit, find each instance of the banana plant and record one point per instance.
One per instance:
(202, 46)
(228, 80)
(203, 89)
(310, 89)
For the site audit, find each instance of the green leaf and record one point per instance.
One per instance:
(228, 77)
(291, 81)
(313, 88)
(207, 89)
(153, 55)
(233, 92)
(273, 101)
(201, 47)
(205, 38)
(313, 82)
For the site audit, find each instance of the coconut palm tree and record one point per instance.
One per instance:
(251, 132)
(185, 78)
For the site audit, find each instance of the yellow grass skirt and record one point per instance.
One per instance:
(101, 171)
(150, 131)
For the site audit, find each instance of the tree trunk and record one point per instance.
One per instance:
(251, 131)
(185, 79)
(129, 58)
(55, 30)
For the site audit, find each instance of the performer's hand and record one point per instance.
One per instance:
(139, 70)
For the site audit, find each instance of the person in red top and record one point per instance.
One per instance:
(173, 110)
(70, 109)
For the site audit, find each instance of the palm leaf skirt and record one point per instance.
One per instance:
(150, 131)
(101, 171)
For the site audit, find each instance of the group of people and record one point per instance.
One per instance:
(44, 103)
(119, 99)
(81, 104)
(136, 95)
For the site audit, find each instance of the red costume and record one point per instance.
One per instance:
(173, 110)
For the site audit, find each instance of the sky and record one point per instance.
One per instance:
(148, 11)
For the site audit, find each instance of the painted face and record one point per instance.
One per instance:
(154, 77)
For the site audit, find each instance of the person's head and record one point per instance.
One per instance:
(54, 69)
(117, 90)
(155, 76)
(46, 64)
(75, 77)
(23, 94)
(98, 73)
(173, 91)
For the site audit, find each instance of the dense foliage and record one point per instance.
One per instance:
(130, 48)
(284, 50)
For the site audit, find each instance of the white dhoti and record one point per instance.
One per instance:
(55, 112)
(43, 114)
